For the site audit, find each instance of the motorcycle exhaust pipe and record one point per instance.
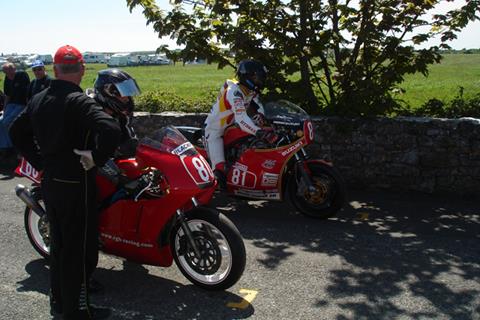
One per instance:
(26, 196)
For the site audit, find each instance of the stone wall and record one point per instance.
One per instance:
(417, 154)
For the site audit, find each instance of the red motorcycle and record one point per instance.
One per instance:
(283, 170)
(163, 220)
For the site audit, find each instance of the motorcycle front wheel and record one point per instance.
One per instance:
(328, 196)
(38, 231)
(222, 252)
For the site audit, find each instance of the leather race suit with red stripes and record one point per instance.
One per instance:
(231, 107)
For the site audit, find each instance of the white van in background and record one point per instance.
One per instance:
(91, 57)
(119, 60)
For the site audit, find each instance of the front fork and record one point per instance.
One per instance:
(186, 229)
(301, 168)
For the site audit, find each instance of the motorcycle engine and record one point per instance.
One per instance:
(234, 152)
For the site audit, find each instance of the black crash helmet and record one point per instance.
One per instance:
(112, 86)
(252, 74)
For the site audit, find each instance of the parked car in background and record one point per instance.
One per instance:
(160, 60)
(196, 61)
(134, 59)
(45, 58)
(93, 57)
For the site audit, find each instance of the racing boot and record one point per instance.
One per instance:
(219, 173)
(95, 287)
(93, 313)
(55, 307)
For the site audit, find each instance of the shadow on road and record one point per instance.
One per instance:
(135, 294)
(396, 242)
(164, 299)
(6, 173)
(38, 277)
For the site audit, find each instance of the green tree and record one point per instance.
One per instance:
(173, 55)
(343, 57)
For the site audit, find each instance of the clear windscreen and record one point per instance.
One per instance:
(170, 140)
(286, 111)
(283, 107)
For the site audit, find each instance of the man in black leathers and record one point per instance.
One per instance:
(59, 124)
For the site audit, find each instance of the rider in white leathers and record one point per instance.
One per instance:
(231, 106)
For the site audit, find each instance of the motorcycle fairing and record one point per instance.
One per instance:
(130, 229)
(258, 173)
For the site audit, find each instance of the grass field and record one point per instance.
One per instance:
(444, 80)
(189, 81)
(198, 81)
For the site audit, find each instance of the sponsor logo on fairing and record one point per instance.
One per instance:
(258, 194)
(292, 148)
(240, 166)
(269, 164)
(182, 148)
(292, 124)
(126, 241)
(269, 179)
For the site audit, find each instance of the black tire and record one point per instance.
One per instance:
(223, 251)
(329, 198)
(38, 231)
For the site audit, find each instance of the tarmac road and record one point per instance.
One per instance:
(385, 256)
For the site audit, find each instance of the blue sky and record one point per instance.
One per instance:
(41, 26)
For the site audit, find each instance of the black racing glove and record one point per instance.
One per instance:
(266, 134)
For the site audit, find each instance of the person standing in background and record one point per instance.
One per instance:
(2, 100)
(41, 81)
(15, 88)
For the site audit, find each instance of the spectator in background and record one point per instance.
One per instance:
(41, 81)
(2, 100)
(15, 88)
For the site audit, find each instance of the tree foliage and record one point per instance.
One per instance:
(333, 56)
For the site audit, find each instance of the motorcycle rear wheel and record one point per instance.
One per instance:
(38, 231)
(329, 197)
(223, 256)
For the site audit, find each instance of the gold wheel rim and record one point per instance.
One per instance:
(320, 194)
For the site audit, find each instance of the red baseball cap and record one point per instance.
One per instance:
(67, 55)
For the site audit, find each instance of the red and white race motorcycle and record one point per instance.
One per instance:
(283, 170)
(165, 219)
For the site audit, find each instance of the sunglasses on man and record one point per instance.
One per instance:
(37, 69)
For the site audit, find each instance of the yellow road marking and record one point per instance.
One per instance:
(246, 301)
(364, 216)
